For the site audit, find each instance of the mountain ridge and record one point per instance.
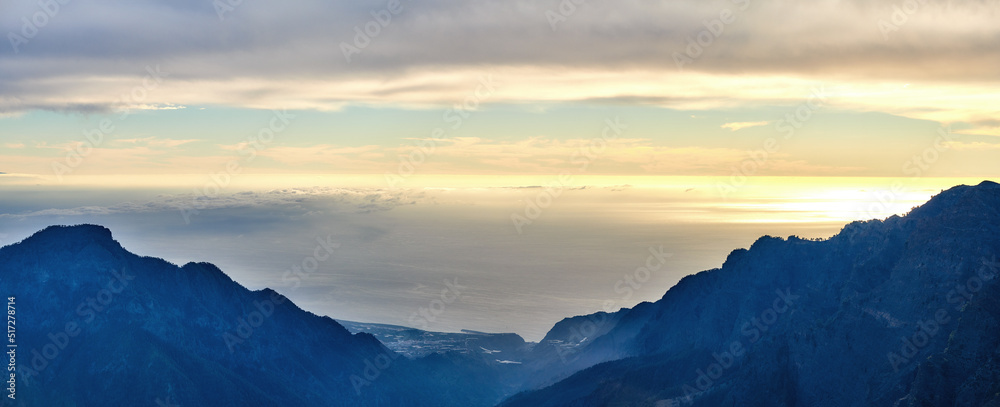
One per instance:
(877, 277)
(102, 316)
(767, 321)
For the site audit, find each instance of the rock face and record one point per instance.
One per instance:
(897, 312)
(101, 326)
(900, 312)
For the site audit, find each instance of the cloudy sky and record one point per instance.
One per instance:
(412, 128)
(698, 84)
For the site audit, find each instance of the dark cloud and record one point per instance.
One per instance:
(346, 200)
(940, 40)
(987, 122)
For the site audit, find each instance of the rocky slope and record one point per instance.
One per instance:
(101, 326)
(895, 312)
(899, 312)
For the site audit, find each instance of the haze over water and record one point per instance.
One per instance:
(576, 252)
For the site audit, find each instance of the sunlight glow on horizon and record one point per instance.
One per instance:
(675, 199)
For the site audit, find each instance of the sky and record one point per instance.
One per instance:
(430, 125)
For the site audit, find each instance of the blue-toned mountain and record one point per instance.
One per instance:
(895, 312)
(98, 325)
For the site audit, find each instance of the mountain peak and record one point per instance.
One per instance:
(76, 236)
(984, 186)
(961, 200)
(87, 232)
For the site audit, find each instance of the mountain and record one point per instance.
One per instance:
(98, 325)
(896, 312)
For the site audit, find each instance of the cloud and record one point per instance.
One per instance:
(991, 122)
(304, 39)
(347, 200)
(267, 55)
(155, 142)
(320, 154)
(447, 156)
(742, 125)
(972, 146)
(19, 179)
